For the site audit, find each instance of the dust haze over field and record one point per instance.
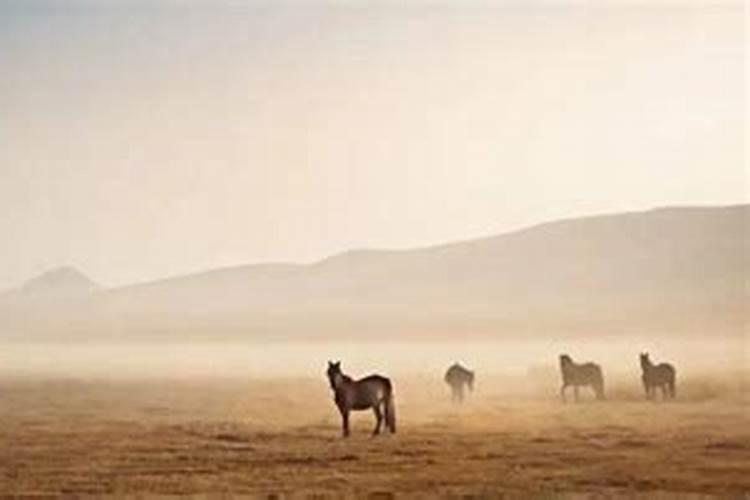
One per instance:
(281, 436)
(204, 202)
(214, 383)
(202, 416)
(259, 420)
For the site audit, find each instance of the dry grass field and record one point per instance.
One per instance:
(280, 439)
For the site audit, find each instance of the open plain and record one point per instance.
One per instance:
(279, 438)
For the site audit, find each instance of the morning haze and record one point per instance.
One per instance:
(382, 250)
(145, 141)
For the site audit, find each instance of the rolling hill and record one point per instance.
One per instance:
(674, 271)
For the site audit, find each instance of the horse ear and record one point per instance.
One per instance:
(330, 363)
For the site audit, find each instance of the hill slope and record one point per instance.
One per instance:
(61, 281)
(675, 270)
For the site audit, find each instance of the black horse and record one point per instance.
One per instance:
(657, 376)
(584, 374)
(457, 377)
(374, 392)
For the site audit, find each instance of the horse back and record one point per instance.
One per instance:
(458, 374)
(660, 374)
(375, 380)
(582, 374)
(369, 391)
(667, 368)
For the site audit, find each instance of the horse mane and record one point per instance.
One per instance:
(646, 361)
(458, 367)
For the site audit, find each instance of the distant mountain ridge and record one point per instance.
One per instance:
(63, 280)
(670, 271)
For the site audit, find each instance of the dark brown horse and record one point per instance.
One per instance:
(584, 374)
(374, 392)
(657, 376)
(457, 377)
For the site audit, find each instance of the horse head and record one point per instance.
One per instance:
(645, 362)
(334, 373)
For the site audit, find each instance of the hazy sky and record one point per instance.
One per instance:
(140, 140)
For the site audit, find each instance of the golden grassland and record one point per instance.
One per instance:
(280, 439)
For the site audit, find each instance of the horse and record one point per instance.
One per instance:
(457, 377)
(374, 392)
(661, 376)
(585, 374)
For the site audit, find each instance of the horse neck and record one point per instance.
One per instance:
(341, 381)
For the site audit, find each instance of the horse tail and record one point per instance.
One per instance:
(390, 410)
(599, 383)
(672, 385)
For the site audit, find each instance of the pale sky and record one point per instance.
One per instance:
(140, 140)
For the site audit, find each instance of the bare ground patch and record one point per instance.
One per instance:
(214, 436)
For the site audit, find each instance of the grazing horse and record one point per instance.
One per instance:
(584, 374)
(374, 392)
(661, 376)
(457, 377)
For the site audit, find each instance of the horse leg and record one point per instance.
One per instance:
(598, 391)
(562, 392)
(345, 422)
(378, 419)
(460, 393)
(575, 393)
(390, 413)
